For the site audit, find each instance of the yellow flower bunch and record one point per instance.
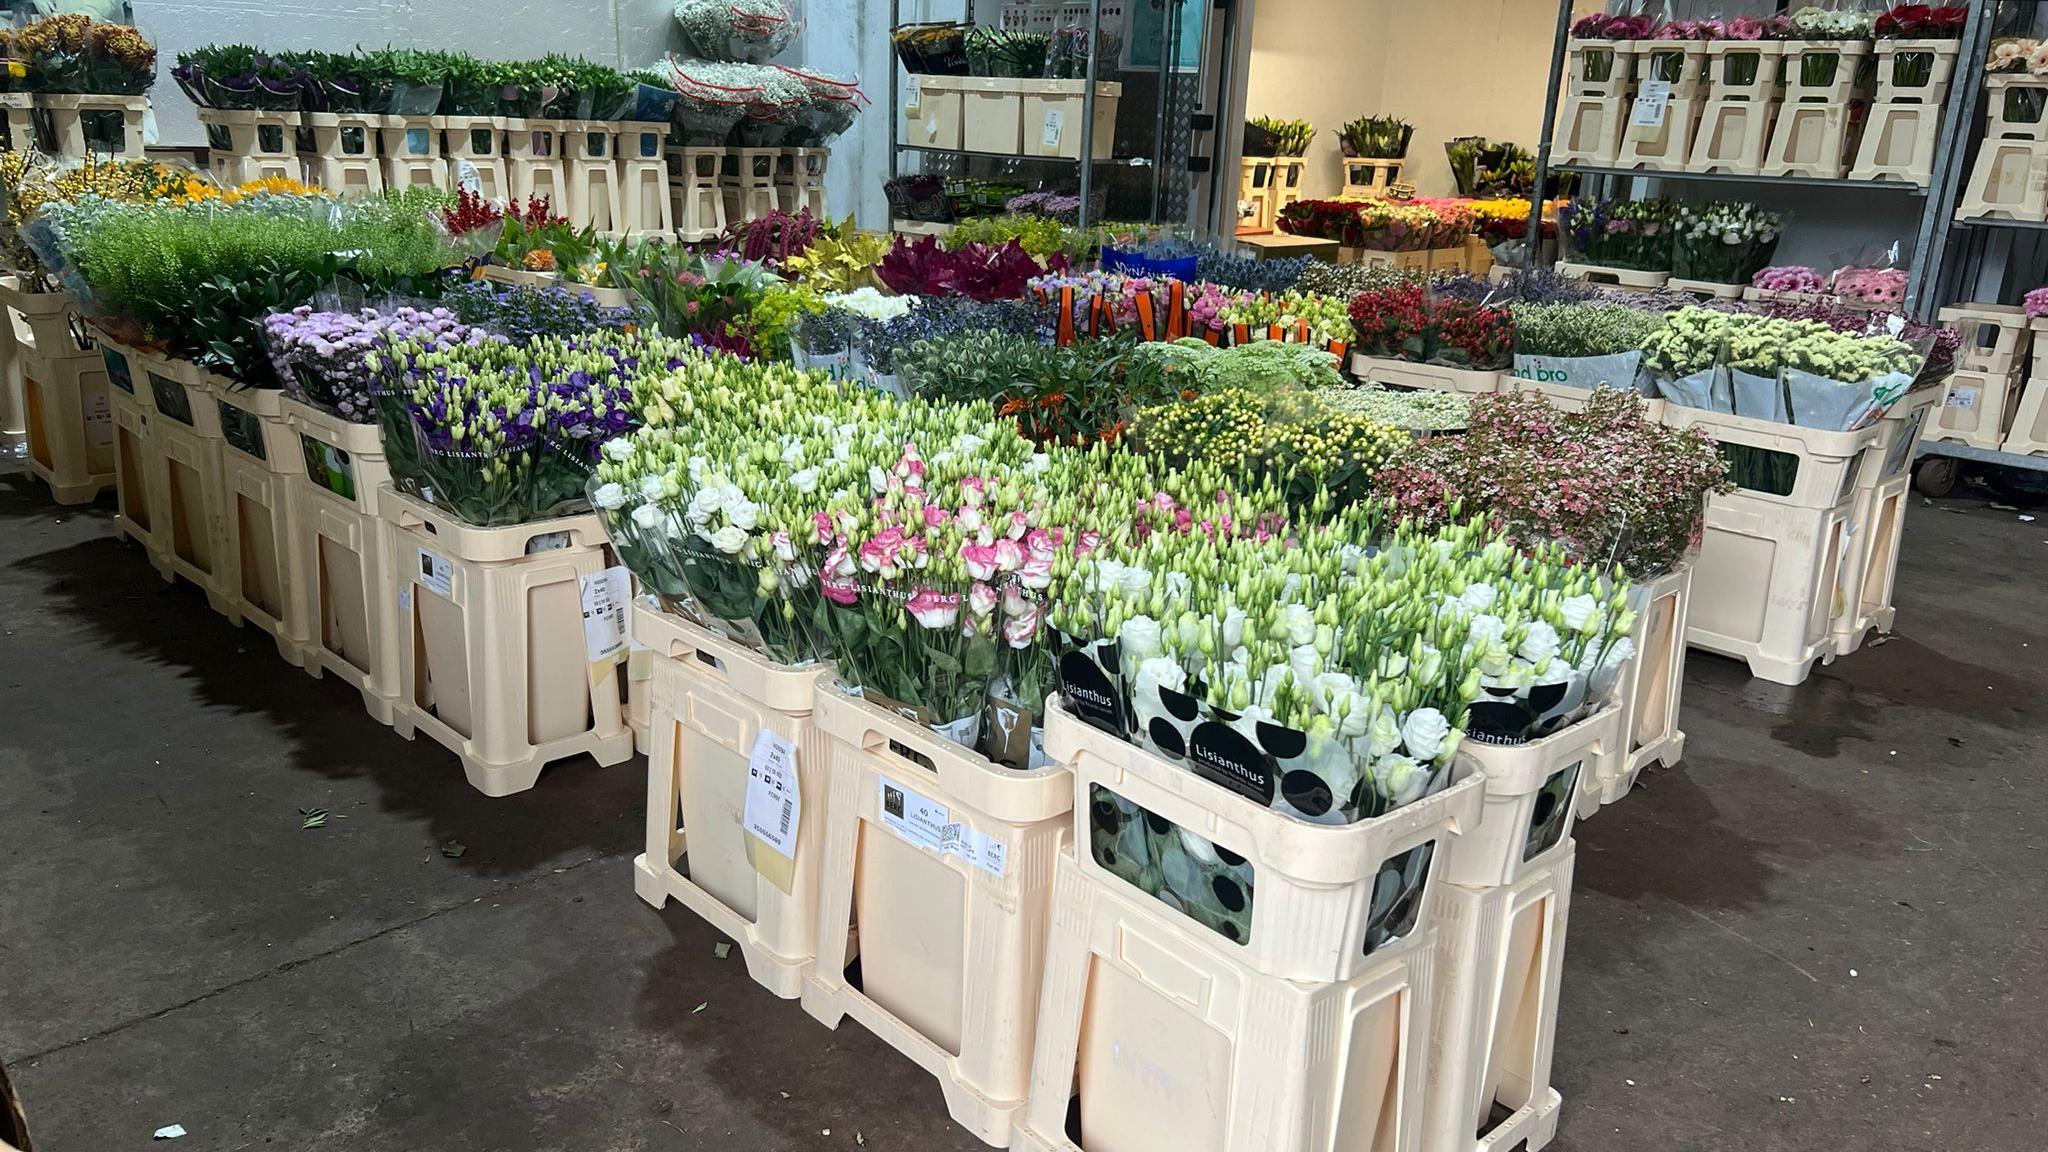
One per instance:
(30, 181)
(197, 190)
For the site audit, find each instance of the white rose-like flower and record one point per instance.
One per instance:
(1384, 734)
(618, 448)
(1158, 672)
(1301, 624)
(1134, 582)
(1356, 709)
(805, 481)
(1578, 611)
(1540, 644)
(1233, 628)
(1109, 574)
(743, 514)
(610, 497)
(1423, 733)
(1478, 597)
(729, 539)
(646, 516)
(703, 506)
(1401, 780)
(652, 488)
(878, 480)
(1139, 638)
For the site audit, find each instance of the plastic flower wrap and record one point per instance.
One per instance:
(750, 31)
(1581, 345)
(1724, 242)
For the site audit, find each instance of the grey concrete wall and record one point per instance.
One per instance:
(842, 37)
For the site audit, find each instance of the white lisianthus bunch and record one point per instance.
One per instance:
(871, 304)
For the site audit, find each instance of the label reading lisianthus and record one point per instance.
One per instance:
(924, 822)
(1222, 754)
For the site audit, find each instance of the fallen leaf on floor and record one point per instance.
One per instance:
(860, 1139)
(454, 849)
(721, 949)
(170, 1133)
(312, 818)
(700, 1007)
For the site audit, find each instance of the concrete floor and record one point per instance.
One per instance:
(1817, 931)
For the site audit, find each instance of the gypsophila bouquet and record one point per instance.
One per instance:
(1723, 242)
(752, 31)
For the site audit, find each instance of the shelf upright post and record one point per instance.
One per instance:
(1937, 216)
(1081, 220)
(1532, 237)
(895, 115)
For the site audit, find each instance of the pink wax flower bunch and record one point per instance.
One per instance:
(2037, 301)
(1789, 278)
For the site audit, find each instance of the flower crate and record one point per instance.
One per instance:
(347, 163)
(1258, 204)
(1615, 277)
(644, 189)
(1707, 288)
(1152, 1035)
(1996, 338)
(711, 702)
(1055, 110)
(67, 115)
(2009, 180)
(41, 321)
(1363, 177)
(533, 162)
(933, 115)
(251, 145)
(1435, 377)
(192, 537)
(800, 181)
(263, 569)
(992, 115)
(1414, 260)
(747, 182)
(695, 200)
(590, 159)
(476, 146)
(491, 643)
(938, 882)
(1978, 408)
(1532, 795)
(135, 451)
(1648, 690)
(1882, 490)
(1766, 585)
(1499, 967)
(1735, 125)
(413, 152)
(1300, 901)
(1818, 468)
(68, 420)
(2029, 433)
(1600, 82)
(347, 599)
(1664, 140)
(1810, 138)
(1903, 122)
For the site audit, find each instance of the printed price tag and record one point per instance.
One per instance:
(1653, 102)
(775, 805)
(468, 178)
(99, 420)
(437, 573)
(605, 596)
(924, 821)
(916, 96)
(1055, 119)
(1964, 400)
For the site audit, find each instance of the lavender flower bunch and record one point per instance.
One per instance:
(321, 356)
(878, 340)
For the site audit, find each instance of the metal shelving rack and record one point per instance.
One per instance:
(1924, 275)
(1086, 162)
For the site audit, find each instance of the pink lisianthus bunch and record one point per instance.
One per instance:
(1601, 26)
(2037, 302)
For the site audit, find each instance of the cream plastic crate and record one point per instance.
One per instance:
(2029, 433)
(492, 662)
(2009, 180)
(1054, 112)
(1879, 523)
(136, 462)
(1828, 462)
(1648, 691)
(192, 541)
(66, 115)
(1996, 338)
(1434, 377)
(1735, 126)
(992, 115)
(711, 700)
(1977, 409)
(1311, 886)
(413, 153)
(1500, 962)
(533, 162)
(1154, 1040)
(1597, 100)
(347, 163)
(1614, 277)
(1810, 138)
(347, 599)
(1532, 797)
(1767, 582)
(1898, 140)
(950, 948)
(933, 112)
(1367, 177)
(590, 153)
(69, 424)
(260, 465)
(476, 144)
(644, 189)
(1667, 144)
(42, 320)
(251, 145)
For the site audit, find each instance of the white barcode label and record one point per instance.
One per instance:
(775, 805)
(1653, 100)
(924, 821)
(605, 596)
(910, 102)
(1963, 400)
(436, 572)
(1055, 119)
